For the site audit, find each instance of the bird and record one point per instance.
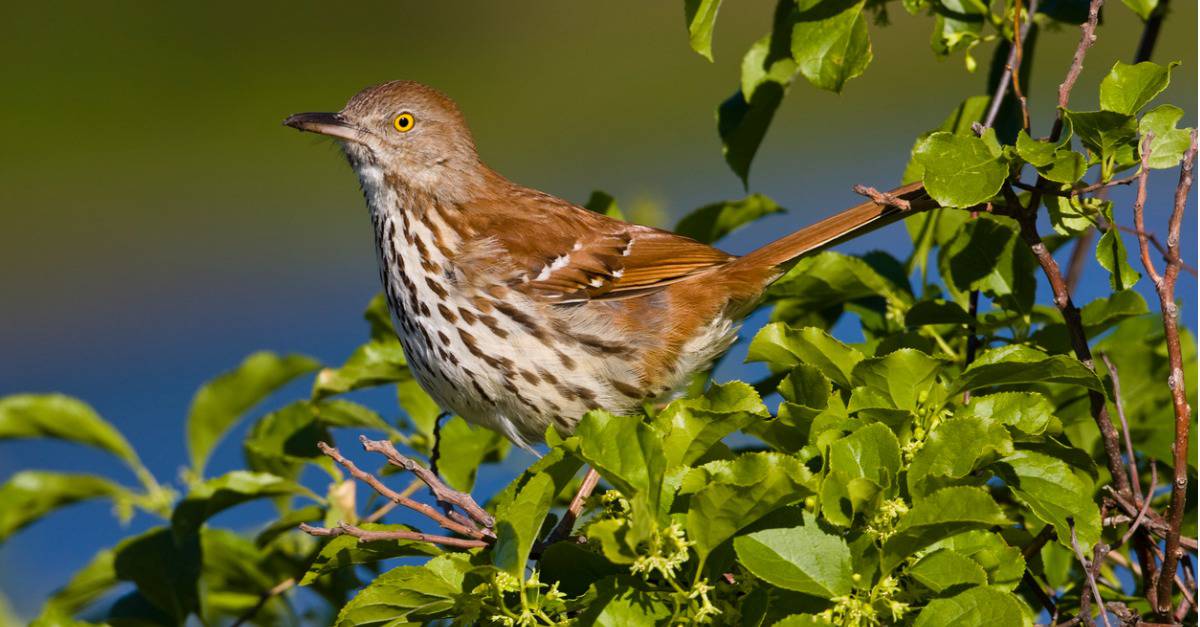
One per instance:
(518, 310)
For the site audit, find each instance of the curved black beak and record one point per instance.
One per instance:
(331, 124)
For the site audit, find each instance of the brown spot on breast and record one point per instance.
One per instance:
(479, 388)
(551, 379)
(494, 325)
(467, 316)
(446, 313)
(482, 304)
(628, 390)
(529, 376)
(566, 360)
(442, 336)
(436, 287)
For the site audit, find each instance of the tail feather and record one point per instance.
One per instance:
(840, 227)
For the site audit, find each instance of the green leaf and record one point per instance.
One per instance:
(1097, 316)
(602, 202)
(619, 602)
(1054, 163)
(954, 449)
(165, 569)
(960, 170)
(574, 567)
(712, 222)
(899, 377)
(785, 347)
(957, 24)
(346, 551)
(831, 278)
(989, 256)
(29, 495)
(376, 362)
(465, 448)
(282, 441)
(1128, 88)
(830, 42)
(87, 585)
(1112, 256)
(701, 16)
(980, 605)
(803, 558)
(518, 523)
(1110, 136)
(737, 492)
(1026, 412)
(409, 594)
(1054, 493)
(1169, 143)
(220, 402)
(210, 497)
(767, 71)
(627, 453)
(689, 427)
(1013, 364)
(1143, 8)
(936, 312)
(943, 568)
(861, 466)
(61, 418)
(1004, 564)
(959, 122)
(1071, 216)
(938, 515)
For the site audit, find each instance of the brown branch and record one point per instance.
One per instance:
(445, 495)
(263, 599)
(390, 505)
(1139, 204)
(1154, 241)
(1154, 522)
(1075, 191)
(1079, 342)
(564, 527)
(1141, 515)
(1012, 67)
(1189, 584)
(1085, 610)
(1087, 38)
(1131, 460)
(373, 536)
(886, 199)
(396, 497)
(1178, 384)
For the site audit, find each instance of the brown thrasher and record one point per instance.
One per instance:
(518, 310)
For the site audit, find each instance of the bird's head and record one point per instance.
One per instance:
(401, 129)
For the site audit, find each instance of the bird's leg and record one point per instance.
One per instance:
(564, 527)
(435, 452)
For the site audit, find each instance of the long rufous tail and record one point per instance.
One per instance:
(850, 223)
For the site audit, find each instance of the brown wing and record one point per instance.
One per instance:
(563, 253)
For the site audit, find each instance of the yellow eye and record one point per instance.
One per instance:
(404, 122)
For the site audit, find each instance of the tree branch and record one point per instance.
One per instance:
(445, 495)
(373, 536)
(1178, 384)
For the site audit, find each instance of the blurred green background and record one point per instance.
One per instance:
(159, 223)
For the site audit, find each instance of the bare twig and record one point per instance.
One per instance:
(1131, 460)
(1075, 191)
(390, 505)
(1154, 241)
(445, 495)
(1087, 38)
(373, 536)
(263, 599)
(563, 529)
(1012, 68)
(1178, 384)
(1137, 521)
(1085, 611)
(1154, 522)
(396, 497)
(886, 199)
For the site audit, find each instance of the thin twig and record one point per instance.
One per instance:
(278, 589)
(563, 529)
(1139, 203)
(1131, 460)
(1087, 38)
(1178, 384)
(444, 494)
(1011, 67)
(374, 536)
(1075, 191)
(1084, 601)
(886, 199)
(1137, 521)
(396, 497)
(1154, 241)
(390, 505)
